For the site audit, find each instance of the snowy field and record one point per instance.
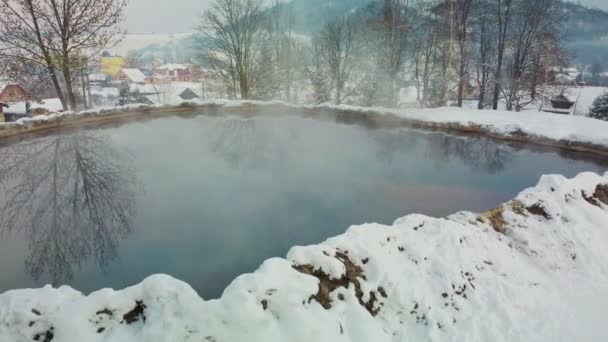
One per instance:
(535, 269)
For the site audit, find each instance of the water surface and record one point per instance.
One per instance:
(206, 199)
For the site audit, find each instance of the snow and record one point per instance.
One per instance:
(51, 105)
(134, 75)
(544, 278)
(585, 97)
(540, 127)
(172, 67)
(105, 91)
(144, 88)
(553, 126)
(98, 77)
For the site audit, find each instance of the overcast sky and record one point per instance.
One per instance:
(173, 16)
(163, 16)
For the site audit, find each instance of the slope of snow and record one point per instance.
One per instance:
(585, 97)
(137, 41)
(535, 269)
(537, 124)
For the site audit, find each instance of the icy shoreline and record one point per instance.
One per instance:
(534, 269)
(574, 133)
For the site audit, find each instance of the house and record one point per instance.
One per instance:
(13, 93)
(157, 79)
(175, 72)
(561, 75)
(132, 76)
(111, 66)
(98, 79)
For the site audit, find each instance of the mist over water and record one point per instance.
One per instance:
(207, 199)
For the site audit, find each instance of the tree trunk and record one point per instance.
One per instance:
(503, 23)
(47, 57)
(461, 83)
(482, 90)
(67, 75)
(244, 87)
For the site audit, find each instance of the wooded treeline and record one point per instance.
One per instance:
(494, 52)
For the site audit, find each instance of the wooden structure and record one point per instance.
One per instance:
(561, 102)
(2, 106)
(188, 94)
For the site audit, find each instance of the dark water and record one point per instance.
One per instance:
(206, 199)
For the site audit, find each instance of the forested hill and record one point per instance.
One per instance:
(585, 23)
(587, 28)
(587, 31)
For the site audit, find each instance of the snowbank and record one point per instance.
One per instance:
(535, 269)
(564, 131)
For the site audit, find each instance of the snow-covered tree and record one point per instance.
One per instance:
(599, 108)
(124, 95)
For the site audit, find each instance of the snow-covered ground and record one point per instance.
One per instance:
(584, 98)
(538, 127)
(536, 124)
(536, 269)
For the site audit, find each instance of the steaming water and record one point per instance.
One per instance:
(206, 199)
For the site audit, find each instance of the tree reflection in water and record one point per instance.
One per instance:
(477, 153)
(250, 143)
(72, 196)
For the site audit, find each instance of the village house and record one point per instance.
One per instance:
(175, 72)
(99, 79)
(14, 93)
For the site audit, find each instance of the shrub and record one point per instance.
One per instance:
(599, 108)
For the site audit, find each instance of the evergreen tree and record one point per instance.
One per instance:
(599, 109)
(124, 96)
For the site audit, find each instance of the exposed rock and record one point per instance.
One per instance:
(136, 313)
(327, 285)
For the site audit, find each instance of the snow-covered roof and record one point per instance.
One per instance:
(98, 77)
(144, 88)
(105, 92)
(172, 66)
(134, 75)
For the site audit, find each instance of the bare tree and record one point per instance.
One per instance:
(58, 33)
(25, 39)
(82, 27)
(534, 25)
(462, 19)
(316, 75)
(502, 21)
(337, 43)
(485, 56)
(426, 54)
(231, 28)
(395, 29)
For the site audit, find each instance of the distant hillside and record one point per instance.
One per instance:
(587, 34)
(309, 16)
(587, 30)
